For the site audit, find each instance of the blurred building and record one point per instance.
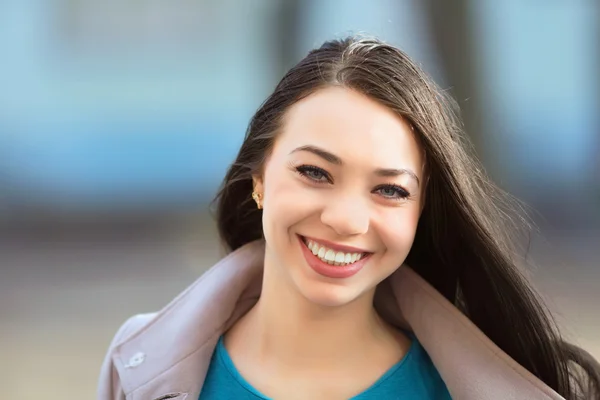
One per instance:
(127, 104)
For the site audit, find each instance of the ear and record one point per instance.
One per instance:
(257, 184)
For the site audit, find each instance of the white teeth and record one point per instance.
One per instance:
(314, 248)
(332, 257)
(321, 252)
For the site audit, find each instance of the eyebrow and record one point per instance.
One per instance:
(333, 159)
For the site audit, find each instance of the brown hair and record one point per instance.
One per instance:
(463, 245)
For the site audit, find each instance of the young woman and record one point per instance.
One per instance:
(370, 258)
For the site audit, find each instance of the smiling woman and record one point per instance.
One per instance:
(370, 258)
(338, 173)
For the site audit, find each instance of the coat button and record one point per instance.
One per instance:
(135, 360)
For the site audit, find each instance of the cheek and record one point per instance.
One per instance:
(287, 202)
(397, 230)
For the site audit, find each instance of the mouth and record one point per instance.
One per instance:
(333, 254)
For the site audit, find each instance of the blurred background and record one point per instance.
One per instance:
(118, 120)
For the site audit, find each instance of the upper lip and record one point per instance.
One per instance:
(337, 247)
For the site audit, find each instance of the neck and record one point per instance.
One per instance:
(286, 328)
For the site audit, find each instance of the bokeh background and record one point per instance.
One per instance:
(118, 120)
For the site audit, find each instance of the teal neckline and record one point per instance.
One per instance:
(230, 366)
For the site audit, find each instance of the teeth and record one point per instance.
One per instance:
(332, 257)
(314, 248)
(321, 252)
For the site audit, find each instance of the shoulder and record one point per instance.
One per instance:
(109, 387)
(132, 325)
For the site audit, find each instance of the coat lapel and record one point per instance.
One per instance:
(178, 342)
(471, 365)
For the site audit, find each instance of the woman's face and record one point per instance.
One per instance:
(341, 196)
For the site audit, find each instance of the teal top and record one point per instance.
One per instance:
(412, 378)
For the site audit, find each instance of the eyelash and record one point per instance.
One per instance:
(304, 170)
(400, 192)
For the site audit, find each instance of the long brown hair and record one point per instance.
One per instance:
(463, 245)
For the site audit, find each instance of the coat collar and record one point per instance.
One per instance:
(176, 345)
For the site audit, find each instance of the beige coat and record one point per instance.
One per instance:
(165, 355)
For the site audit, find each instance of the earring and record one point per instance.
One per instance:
(257, 198)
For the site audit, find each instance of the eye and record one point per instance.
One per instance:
(393, 192)
(315, 174)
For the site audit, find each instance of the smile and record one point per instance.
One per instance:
(331, 256)
(332, 260)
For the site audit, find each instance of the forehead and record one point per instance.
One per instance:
(352, 126)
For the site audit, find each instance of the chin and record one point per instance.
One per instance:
(328, 294)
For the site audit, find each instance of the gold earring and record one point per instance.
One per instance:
(257, 198)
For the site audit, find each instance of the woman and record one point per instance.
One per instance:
(370, 258)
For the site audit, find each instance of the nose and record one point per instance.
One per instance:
(347, 216)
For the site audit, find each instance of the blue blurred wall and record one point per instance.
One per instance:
(116, 103)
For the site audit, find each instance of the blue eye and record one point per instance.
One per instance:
(394, 192)
(315, 174)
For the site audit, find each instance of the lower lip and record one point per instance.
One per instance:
(328, 270)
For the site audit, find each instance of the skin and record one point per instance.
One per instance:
(311, 336)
